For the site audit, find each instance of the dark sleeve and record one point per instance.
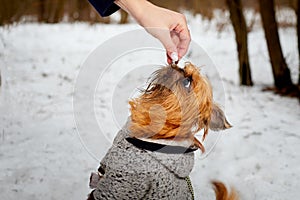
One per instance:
(104, 7)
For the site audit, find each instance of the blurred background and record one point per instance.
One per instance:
(54, 11)
(68, 11)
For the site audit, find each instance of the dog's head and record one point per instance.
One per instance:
(176, 104)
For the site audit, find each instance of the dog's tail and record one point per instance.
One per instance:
(222, 192)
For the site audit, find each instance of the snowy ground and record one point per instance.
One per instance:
(42, 156)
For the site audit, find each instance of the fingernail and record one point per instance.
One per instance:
(174, 57)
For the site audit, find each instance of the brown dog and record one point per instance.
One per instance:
(176, 105)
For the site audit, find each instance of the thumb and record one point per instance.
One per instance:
(170, 47)
(168, 43)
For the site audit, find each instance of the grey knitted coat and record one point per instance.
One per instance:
(134, 173)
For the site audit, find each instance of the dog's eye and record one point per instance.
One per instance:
(186, 82)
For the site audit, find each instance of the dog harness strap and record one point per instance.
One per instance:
(168, 149)
(190, 186)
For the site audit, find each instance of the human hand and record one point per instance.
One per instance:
(168, 26)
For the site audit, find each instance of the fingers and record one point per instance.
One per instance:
(171, 30)
(181, 39)
(169, 60)
(177, 38)
(184, 40)
(169, 42)
(172, 58)
(183, 44)
(180, 36)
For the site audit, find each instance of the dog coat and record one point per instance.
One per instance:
(135, 173)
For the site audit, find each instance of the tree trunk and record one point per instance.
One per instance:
(8, 11)
(41, 10)
(58, 12)
(124, 17)
(281, 72)
(298, 35)
(240, 28)
(83, 10)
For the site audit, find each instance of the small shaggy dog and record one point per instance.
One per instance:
(153, 154)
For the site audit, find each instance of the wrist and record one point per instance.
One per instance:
(136, 8)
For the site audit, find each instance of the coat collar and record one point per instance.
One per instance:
(164, 147)
(179, 164)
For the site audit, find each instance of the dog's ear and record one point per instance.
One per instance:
(218, 120)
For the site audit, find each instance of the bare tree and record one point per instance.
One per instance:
(11, 11)
(294, 4)
(124, 17)
(41, 10)
(83, 10)
(58, 12)
(298, 35)
(50, 11)
(240, 28)
(281, 72)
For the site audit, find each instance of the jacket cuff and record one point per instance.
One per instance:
(104, 7)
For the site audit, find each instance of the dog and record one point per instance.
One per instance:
(153, 154)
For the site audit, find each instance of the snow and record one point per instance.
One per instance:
(43, 156)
